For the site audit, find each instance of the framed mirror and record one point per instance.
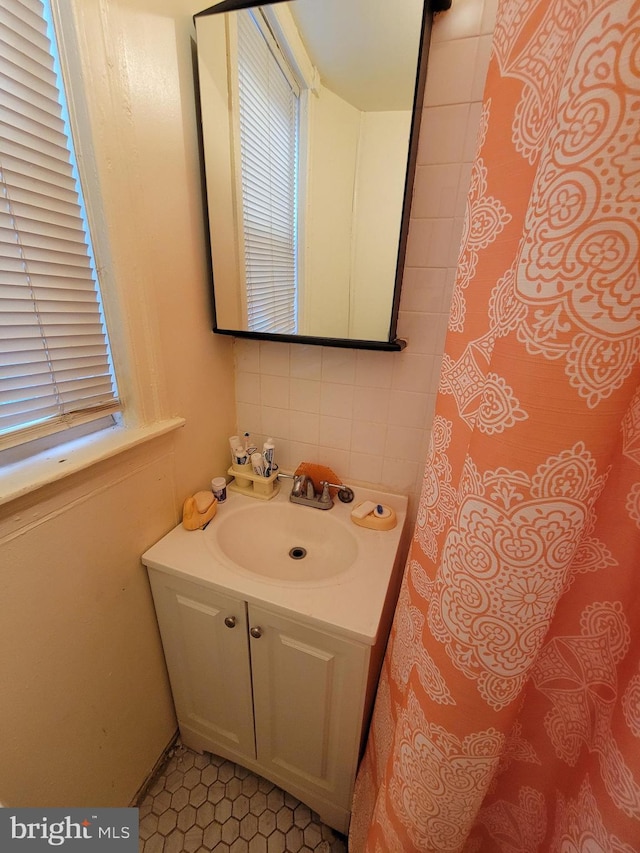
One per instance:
(310, 112)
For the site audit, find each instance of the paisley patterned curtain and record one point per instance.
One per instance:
(508, 711)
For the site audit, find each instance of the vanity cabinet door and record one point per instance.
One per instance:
(308, 689)
(205, 640)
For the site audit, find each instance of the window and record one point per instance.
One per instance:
(55, 366)
(268, 117)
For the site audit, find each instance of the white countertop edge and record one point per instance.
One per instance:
(367, 638)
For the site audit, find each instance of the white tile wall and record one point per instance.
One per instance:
(368, 414)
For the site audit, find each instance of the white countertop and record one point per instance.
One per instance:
(350, 603)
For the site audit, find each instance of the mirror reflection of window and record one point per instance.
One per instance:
(268, 130)
(337, 231)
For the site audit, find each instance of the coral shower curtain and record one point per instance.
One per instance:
(508, 712)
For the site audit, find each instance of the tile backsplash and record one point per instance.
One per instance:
(368, 415)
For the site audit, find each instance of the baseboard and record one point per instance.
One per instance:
(156, 769)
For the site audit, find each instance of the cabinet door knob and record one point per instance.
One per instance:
(230, 621)
(256, 633)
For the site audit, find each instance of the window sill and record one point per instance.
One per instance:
(21, 478)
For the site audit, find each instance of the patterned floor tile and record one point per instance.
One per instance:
(205, 804)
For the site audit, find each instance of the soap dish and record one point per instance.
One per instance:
(374, 522)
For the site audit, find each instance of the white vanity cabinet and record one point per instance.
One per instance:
(273, 657)
(281, 697)
(206, 647)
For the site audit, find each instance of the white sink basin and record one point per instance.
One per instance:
(285, 541)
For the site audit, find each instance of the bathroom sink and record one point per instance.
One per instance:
(309, 563)
(284, 541)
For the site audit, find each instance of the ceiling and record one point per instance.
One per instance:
(366, 51)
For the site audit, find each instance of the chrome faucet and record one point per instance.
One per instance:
(345, 493)
(303, 487)
(303, 492)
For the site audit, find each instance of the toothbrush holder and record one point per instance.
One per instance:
(253, 484)
(247, 468)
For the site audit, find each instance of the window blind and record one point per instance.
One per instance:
(268, 114)
(55, 368)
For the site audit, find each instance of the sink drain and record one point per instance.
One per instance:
(298, 553)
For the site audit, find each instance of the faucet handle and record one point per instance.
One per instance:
(303, 487)
(345, 494)
(299, 483)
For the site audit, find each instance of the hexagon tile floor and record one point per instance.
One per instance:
(202, 803)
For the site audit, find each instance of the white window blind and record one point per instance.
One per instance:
(268, 108)
(55, 367)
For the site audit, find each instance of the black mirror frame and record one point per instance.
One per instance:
(394, 344)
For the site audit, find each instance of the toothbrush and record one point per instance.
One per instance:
(249, 448)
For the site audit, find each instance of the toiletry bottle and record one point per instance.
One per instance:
(219, 489)
(257, 463)
(234, 441)
(268, 449)
(240, 456)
